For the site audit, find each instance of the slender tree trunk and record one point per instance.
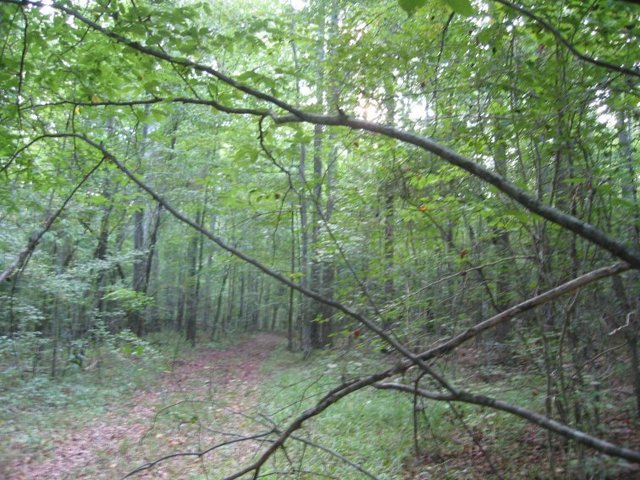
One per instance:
(193, 284)
(217, 320)
(500, 238)
(191, 295)
(136, 318)
(388, 193)
(150, 313)
(231, 300)
(291, 290)
(100, 253)
(629, 310)
(316, 317)
(257, 307)
(180, 307)
(305, 316)
(327, 263)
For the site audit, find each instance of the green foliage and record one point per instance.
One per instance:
(437, 250)
(382, 418)
(462, 7)
(410, 6)
(130, 345)
(129, 299)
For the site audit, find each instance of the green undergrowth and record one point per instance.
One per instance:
(38, 408)
(40, 412)
(371, 428)
(379, 431)
(375, 429)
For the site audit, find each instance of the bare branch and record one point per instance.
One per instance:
(18, 152)
(35, 238)
(521, 307)
(329, 399)
(545, 422)
(331, 452)
(150, 465)
(23, 57)
(335, 454)
(556, 33)
(528, 201)
(153, 101)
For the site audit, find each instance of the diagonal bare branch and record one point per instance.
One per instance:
(521, 307)
(200, 453)
(574, 51)
(35, 238)
(533, 417)
(349, 387)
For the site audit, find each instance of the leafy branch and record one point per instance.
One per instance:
(584, 229)
(22, 258)
(419, 360)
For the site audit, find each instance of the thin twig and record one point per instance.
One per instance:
(556, 33)
(335, 454)
(200, 454)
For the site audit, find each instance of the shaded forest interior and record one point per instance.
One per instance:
(438, 196)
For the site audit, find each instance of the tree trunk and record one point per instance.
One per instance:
(216, 319)
(100, 253)
(191, 294)
(136, 318)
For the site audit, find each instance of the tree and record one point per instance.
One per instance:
(461, 162)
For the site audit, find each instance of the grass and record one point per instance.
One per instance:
(374, 429)
(38, 411)
(371, 428)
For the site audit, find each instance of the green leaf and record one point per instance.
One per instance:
(462, 7)
(410, 6)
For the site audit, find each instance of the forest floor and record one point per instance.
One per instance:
(205, 399)
(209, 397)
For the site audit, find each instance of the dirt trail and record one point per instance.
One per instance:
(204, 401)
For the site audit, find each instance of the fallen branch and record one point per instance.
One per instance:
(201, 453)
(545, 422)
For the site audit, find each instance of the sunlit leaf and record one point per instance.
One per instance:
(462, 7)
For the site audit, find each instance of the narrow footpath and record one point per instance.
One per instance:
(204, 401)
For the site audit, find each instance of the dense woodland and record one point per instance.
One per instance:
(451, 183)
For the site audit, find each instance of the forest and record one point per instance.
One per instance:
(388, 239)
